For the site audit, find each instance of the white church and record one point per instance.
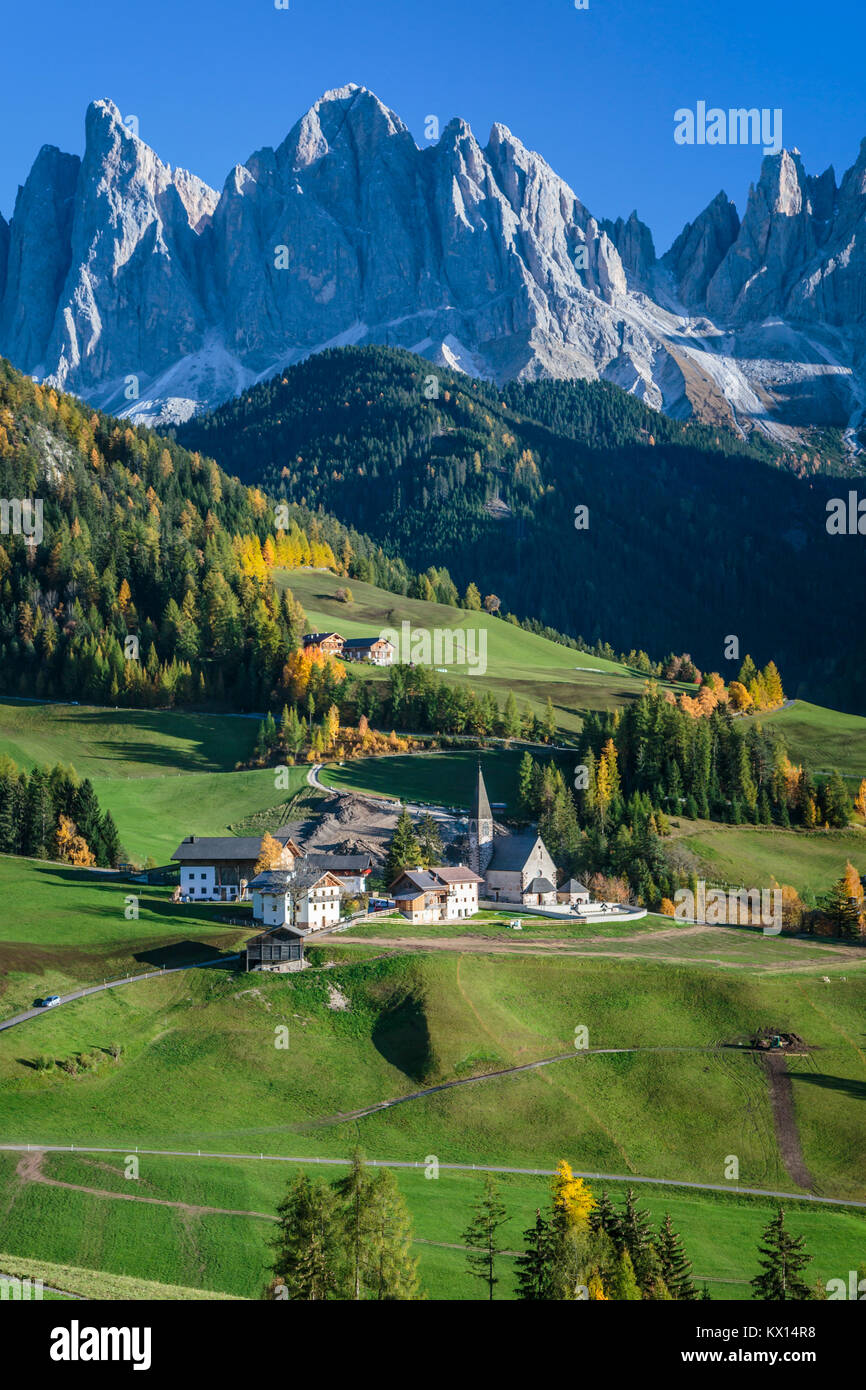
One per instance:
(515, 868)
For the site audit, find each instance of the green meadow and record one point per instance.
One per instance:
(533, 667)
(759, 855)
(823, 738)
(200, 1068)
(108, 1248)
(162, 774)
(64, 928)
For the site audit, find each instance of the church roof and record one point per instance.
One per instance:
(481, 810)
(510, 852)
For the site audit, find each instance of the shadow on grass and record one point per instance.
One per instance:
(845, 1084)
(193, 953)
(402, 1037)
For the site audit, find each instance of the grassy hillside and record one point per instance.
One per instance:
(193, 1042)
(122, 743)
(721, 1233)
(162, 774)
(824, 738)
(533, 667)
(749, 854)
(63, 928)
(415, 1020)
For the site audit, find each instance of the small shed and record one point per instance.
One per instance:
(280, 950)
(573, 892)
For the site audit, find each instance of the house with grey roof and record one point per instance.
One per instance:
(440, 894)
(353, 870)
(303, 899)
(217, 868)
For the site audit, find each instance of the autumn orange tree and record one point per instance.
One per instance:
(270, 855)
(71, 847)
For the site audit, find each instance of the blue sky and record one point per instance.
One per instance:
(594, 91)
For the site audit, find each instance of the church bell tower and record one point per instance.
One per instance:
(480, 829)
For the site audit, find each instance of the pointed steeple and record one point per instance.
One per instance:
(482, 809)
(480, 828)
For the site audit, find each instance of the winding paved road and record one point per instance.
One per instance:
(111, 984)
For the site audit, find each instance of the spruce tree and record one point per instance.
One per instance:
(482, 1234)
(676, 1267)
(784, 1257)
(430, 841)
(636, 1234)
(110, 840)
(534, 1274)
(404, 851)
(307, 1249)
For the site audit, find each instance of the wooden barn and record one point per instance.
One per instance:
(280, 950)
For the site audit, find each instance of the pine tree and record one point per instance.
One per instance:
(843, 905)
(525, 785)
(676, 1267)
(784, 1258)
(534, 1281)
(430, 841)
(307, 1249)
(481, 1235)
(110, 840)
(404, 851)
(636, 1234)
(511, 722)
(605, 1218)
(837, 802)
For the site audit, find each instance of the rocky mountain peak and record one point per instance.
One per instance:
(140, 287)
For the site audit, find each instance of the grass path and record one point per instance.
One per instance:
(30, 1170)
(343, 1116)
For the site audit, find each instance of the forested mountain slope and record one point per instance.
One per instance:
(692, 535)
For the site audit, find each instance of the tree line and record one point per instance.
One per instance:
(351, 1240)
(50, 813)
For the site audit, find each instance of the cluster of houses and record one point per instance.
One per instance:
(300, 892)
(377, 650)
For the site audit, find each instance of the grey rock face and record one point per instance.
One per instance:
(700, 249)
(117, 269)
(38, 257)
